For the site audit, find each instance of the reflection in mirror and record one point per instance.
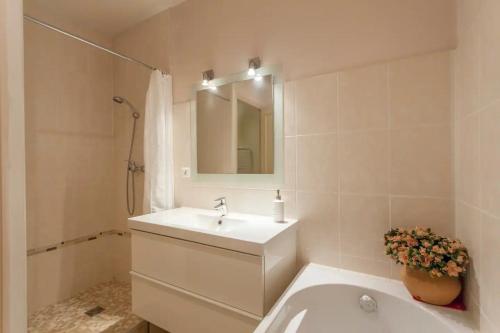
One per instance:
(235, 128)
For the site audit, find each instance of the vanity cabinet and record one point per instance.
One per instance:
(225, 276)
(186, 286)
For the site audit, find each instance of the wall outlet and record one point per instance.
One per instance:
(186, 172)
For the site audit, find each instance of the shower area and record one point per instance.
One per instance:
(85, 172)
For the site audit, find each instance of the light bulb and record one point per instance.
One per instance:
(251, 71)
(212, 87)
(258, 77)
(204, 82)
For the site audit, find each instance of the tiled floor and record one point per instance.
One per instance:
(69, 316)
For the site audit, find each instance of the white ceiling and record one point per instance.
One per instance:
(108, 17)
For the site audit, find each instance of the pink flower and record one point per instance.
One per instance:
(403, 257)
(438, 249)
(423, 249)
(411, 241)
(452, 269)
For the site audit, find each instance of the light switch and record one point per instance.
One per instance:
(186, 172)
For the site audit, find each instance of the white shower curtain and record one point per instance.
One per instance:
(158, 145)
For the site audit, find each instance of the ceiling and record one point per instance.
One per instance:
(108, 17)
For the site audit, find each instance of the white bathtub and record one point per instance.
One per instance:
(327, 300)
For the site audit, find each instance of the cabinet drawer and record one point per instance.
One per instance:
(226, 276)
(178, 312)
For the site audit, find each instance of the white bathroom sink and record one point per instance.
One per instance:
(240, 232)
(212, 223)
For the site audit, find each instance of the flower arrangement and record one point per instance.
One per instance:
(422, 249)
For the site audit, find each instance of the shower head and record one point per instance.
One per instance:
(121, 100)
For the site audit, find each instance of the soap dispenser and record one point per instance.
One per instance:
(278, 208)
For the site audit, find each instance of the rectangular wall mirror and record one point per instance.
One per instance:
(237, 124)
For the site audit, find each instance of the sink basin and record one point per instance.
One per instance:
(240, 232)
(211, 223)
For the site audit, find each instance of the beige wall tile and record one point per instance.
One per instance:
(364, 162)
(69, 139)
(306, 39)
(182, 138)
(468, 13)
(363, 98)
(317, 162)
(485, 325)
(420, 90)
(290, 162)
(121, 257)
(64, 202)
(477, 163)
(490, 270)
(289, 109)
(490, 159)
(200, 197)
(363, 222)
(468, 230)
(316, 104)
(421, 161)
(395, 270)
(70, 187)
(380, 268)
(490, 52)
(318, 229)
(60, 274)
(467, 181)
(436, 214)
(467, 72)
(290, 198)
(252, 201)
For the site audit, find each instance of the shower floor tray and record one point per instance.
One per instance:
(103, 308)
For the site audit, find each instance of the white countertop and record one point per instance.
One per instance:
(251, 236)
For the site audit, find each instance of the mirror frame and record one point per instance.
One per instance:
(275, 178)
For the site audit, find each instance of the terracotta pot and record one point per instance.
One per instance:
(438, 291)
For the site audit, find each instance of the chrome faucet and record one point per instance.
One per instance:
(221, 207)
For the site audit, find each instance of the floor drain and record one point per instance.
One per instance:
(94, 311)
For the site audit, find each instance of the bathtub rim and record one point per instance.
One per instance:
(313, 274)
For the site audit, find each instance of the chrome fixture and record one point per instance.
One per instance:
(88, 42)
(208, 76)
(367, 303)
(121, 100)
(132, 166)
(253, 64)
(221, 207)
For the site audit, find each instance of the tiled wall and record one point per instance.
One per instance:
(365, 149)
(477, 145)
(306, 37)
(69, 146)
